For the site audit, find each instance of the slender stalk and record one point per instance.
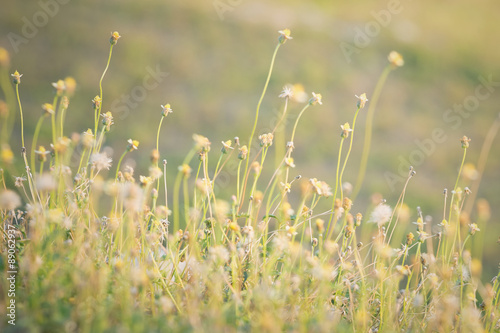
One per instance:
(348, 153)
(369, 129)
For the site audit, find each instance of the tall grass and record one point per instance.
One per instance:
(95, 249)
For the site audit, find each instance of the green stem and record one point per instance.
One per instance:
(348, 153)
(368, 130)
(35, 139)
(98, 110)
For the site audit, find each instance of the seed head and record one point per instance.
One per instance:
(287, 92)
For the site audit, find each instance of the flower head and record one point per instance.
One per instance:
(165, 110)
(284, 36)
(16, 77)
(381, 214)
(465, 142)
(473, 228)
(4, 58)
(287, 92)
(42, 153)
(346, 128)
(266, 140)
(226, 145)
(101, 161)
(48, 109)
(316, 99)
(60, 86)
(243, 152)
(320, 187)
(107, 120)
(396, 59)
(96, 102)
(362, 100)
(114, 38)
(132, 144)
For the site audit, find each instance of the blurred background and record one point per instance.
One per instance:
(209, 60)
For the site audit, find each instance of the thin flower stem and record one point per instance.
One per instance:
(368, 130)
(348, 153)
(98, 110)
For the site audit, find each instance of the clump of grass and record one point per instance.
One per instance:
(96, 254)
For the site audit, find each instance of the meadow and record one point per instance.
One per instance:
(237, 239)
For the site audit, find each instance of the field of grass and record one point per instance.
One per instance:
(233, 237)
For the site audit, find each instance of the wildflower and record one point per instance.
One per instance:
(359, 217)
(88, 138)
(284, 36)
(316, 99)
(107, 120)
(266, 140)
(6, 154)
(42, 153)
(291, 231)
(226, 145)
(420, 224)
(100, 161)
(9, 200)
(202, 142)
(4, 58)
(60, 87)
(61, 144)
(287, 187)
(70, 84)
(362, 100)
(381, 215)
(348, 231)
(410, 238)
(165, 110)
(19, 181)
(96, 102)
(185, 170)
(289, 162)
(145, 181)
(396, 59)
(465, 142)
(16, 77)
(114, 38)
(320, 187)
(345, 130)
(422, 236)
(248, 231)
(243, 152)
(287, 92)
(132, 144)
(48, 109)
(347, 204)
(473, 228)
